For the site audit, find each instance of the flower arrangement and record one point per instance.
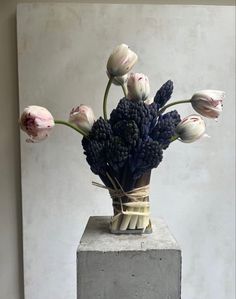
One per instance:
(124, 148)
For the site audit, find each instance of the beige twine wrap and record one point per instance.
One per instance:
(137, 198)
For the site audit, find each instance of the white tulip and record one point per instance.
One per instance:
(121, 61)
(119, 80)
(138, 87)
(191, 128)
(149, 101)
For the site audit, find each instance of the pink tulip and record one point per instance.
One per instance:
(83, 117)
(37, 122)
(208, 103)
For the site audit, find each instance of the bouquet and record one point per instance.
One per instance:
(123, 148)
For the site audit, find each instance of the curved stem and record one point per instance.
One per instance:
(105, 97)
(174, 138)
(62, 122)
(124, 90)
(172, 104)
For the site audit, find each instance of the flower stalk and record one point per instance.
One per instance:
(124, 90)
(174, 138)
(62, 122)
(172, 104)
(106, 96)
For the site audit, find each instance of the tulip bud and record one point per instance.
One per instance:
(83, 117)
(138, 87)
(119, 80)
(37, 122)
(149, 101)
(191, 128)
(121, 61)
(208, 103)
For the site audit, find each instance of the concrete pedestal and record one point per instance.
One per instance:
(128, 266)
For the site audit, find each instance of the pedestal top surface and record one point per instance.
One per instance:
(97, 237)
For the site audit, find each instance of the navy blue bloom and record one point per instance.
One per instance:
(95, 155)
(164, 93)
(101, 130)
(164, 130)
(116, 153)
(148, 156)
(136, 111)
(128, 131)
(131, 143)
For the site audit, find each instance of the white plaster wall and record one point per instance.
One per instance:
(62, 52)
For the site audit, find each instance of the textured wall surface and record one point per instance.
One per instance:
(11, 274)
(62, 51)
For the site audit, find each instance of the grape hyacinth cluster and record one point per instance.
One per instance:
(164, 93)
(133, 138)
(165, 128)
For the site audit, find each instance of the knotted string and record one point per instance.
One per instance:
(137, 198)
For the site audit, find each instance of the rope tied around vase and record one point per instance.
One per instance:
(137, 197)
(133, 212)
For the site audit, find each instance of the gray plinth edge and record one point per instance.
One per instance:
(97, 237)
(128, 266)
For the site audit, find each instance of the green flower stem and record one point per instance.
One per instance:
(105, 97)
(62, 122)
(172, 104)
(174, 138)
(124, 90)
